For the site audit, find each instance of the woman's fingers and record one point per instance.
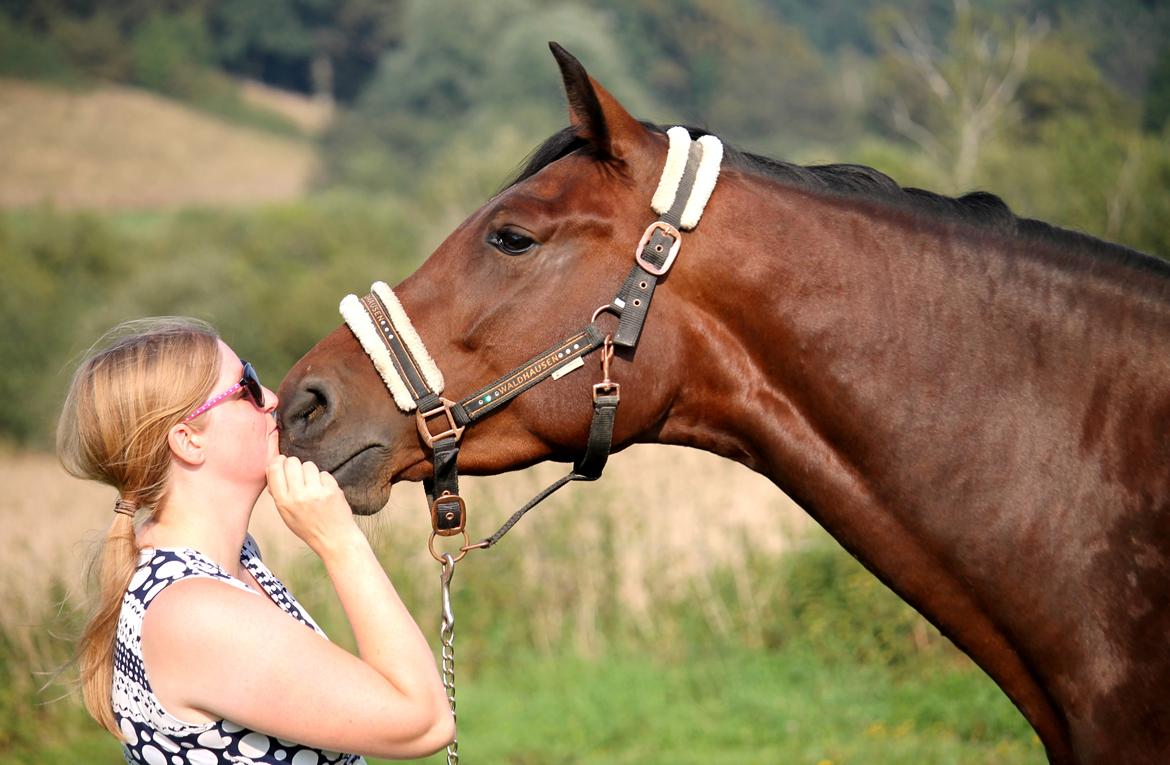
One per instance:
(294, 475)
(277, 484)
(311, 475)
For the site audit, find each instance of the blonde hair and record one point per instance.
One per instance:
(137, 382)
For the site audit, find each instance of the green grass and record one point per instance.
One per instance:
(740, 707)
(840, 672)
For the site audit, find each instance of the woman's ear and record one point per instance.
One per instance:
(187, 444)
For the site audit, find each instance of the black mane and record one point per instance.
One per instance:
(980, 208)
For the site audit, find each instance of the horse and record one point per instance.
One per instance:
(975, 405)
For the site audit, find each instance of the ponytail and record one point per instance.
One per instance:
(122, 403)
(111, 570)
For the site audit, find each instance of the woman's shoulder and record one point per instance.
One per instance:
(204, 599)
(194, 615)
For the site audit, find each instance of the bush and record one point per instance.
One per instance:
(169, 52)
(287, 266)
(28, 56)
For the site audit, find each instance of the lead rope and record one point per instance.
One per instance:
(447, 642)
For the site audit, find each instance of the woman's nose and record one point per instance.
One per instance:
(271, 401)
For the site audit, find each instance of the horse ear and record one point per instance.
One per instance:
(596, 115)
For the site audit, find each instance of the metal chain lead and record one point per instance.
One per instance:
(447, 641)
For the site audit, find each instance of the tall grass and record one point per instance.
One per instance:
(592, 633)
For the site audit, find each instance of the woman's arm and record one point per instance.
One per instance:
(217, 649)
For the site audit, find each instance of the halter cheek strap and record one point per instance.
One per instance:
(386, 334)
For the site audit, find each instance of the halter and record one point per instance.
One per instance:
(386, 334)
(415, 382)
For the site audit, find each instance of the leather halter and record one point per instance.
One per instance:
(386, 334)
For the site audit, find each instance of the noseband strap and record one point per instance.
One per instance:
(386, 334)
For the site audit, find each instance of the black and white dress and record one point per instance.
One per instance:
(154, 736)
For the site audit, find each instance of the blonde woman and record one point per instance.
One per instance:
(195, 653)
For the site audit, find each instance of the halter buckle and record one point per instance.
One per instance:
(668, 230)
(424, 430)
(606, 388)
(448, 515)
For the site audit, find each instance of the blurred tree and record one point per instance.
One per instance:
(950, 100)
(835, 24)
(1062, 80)
(734, 66)
(1157, 105)
(169, 53)
(1127, 36)
(325, 47)
(453, 83)
(267, 40)
(96, 34)
(1106, 180)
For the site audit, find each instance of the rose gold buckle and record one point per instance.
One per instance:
(667, 229)
(443, 408)
(607, 388)
(446, 498)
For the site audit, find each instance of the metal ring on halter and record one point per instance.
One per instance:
(608, 307)
(467, 546)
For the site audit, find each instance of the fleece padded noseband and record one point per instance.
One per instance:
(381, 326)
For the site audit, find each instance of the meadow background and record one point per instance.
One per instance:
(250, 162)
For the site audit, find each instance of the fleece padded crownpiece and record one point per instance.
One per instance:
(672, 174)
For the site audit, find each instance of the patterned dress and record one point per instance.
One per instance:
(152, 735)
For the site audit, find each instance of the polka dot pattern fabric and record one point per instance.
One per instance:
(154, 736)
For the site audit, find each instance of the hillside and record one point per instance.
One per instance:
(117, 148)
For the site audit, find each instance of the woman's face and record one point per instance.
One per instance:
(243, 437)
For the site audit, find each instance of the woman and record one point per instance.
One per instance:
(195, 652)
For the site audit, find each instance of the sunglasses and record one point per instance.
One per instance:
(249, 383)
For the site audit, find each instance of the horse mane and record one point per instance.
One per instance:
(981, 209)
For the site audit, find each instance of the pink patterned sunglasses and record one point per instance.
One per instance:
(249, 383)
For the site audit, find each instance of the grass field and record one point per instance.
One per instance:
(117, 148)
(596, 633)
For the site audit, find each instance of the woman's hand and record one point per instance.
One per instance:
(311, 504)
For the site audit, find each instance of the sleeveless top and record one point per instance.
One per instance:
(154, 736)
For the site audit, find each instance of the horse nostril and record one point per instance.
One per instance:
(309, 409)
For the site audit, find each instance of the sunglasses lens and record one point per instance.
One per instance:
(251, 383)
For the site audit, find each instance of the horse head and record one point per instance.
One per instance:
(524, 270)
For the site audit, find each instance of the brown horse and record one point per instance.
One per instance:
(975, 405)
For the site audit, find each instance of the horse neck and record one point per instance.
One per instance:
(904, 350)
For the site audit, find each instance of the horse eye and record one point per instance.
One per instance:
(511, 242)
